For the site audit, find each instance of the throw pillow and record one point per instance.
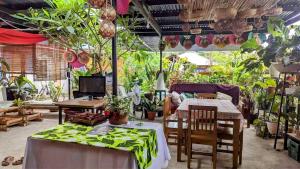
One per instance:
(176, 98)
(223, 96)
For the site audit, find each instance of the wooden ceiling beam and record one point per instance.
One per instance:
(145, 12)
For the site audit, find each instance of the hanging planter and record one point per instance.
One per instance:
(107, 29)
(96, 3)
(172, 40)
(187, 41)
(108, 13)
(202, 42)
(69, 56)
(187, 44)
(83, 58)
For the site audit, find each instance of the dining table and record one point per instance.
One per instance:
(135, 145)
(83, 103)
(227, 112)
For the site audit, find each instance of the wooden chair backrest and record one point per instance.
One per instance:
(167, 106)
(206, 95)
(202, 119)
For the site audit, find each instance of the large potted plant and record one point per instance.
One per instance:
(117, 109)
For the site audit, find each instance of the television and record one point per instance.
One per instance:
(92, 86)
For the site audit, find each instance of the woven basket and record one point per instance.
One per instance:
(196, 31)
(195, 15)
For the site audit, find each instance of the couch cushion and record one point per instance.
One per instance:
(223, 96)
(175, 98)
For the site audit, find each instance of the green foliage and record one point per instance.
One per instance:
(19, 103)
(75, 24)
(117, 104)
(24, 85)
(55, 91)
(281, 44)
(150, 105)
(75, 75)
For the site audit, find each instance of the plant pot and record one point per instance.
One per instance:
(117, 119)
(298, 133)
(271, 90)
(272, 127)
(151, 115)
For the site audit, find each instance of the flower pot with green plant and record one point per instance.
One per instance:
(151, 107)
(117, 109)
(21, 106)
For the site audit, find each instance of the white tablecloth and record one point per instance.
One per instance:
(45, 154)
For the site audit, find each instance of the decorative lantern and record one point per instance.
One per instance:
(107, 29)
(69, 56)
(83, 58)
(97, 3)
(109, 13)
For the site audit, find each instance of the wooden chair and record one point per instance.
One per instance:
(170, 123)
(202, 129)
(206, 95)
(225, 132)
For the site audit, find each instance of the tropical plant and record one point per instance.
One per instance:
(282, 44)
(150, 105)
(24, 86)
(76, 73)
(55, 91)
(75, 24)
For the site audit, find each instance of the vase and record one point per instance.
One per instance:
(151, 115)
(117, 119)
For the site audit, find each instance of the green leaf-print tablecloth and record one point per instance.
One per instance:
(142, 142)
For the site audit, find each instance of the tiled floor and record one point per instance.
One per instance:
(258, 153)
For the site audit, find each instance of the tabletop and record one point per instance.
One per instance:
(81, 103)
(226, 109)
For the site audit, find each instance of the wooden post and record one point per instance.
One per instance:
(69, 80)
(114, 57)
(280, 108)
(160, 53)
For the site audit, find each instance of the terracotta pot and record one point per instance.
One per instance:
(298, 133)
(117, 119)
(271, 90)
(151, 115)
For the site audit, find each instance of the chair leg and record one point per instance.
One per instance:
(214, 156)
(189, 154)
(241, 148)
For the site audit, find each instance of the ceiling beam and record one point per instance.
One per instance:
(145, 12)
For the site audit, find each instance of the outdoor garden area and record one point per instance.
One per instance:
(149, 84)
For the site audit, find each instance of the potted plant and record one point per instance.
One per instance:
(151, 106)
(260, 127)
(55, 91)
(21, 106)
(117, 109)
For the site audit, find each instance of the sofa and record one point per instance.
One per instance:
(231, 90)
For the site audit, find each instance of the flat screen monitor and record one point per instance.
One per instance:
(92, 85)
